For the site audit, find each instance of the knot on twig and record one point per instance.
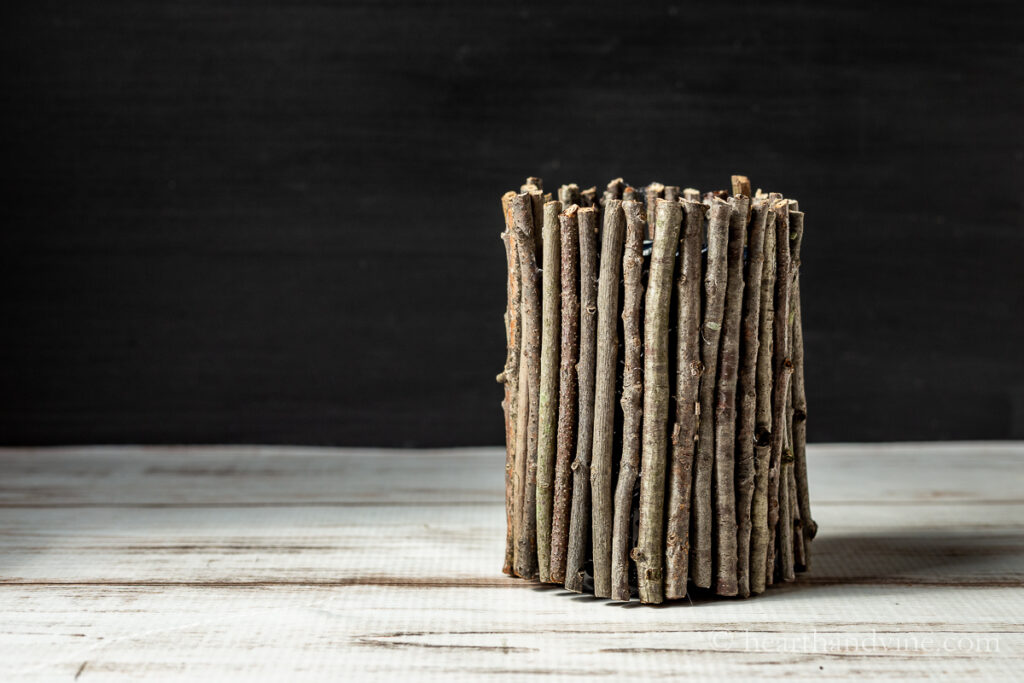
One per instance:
(637, 555)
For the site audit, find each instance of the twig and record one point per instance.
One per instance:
(783, 367)
(579, 519)
(529, 360)
(510, 376)
(569, 195)
(567, 397)
(809, 527)
(652, 193)
(548, 409)
(537, 199)
(604, 394)
(748, 393)
(632, 396)
(741, 185)
(613, 191)
(691, 194)
(588, 197)
(688, 373)
(725, 404)
(786, 572)
(629, 193)
(799, 544)
(672, 192)
(715, 282)
(532, 183)
(648, 553)
(763, 412)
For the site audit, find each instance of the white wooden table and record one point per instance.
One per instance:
(244, 563)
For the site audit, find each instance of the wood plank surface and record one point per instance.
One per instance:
(240, 562)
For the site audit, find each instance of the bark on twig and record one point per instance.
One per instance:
(537, 199)
(745, 438)
(629, 194)
(688, 374)
(725, 404)
(649, 551)
(799, 545)
(510, 376)
(809, 527)
(579, 519)
(569, 195)
(763, 412)
(652, 193)
(567, 397)
(783, 370)
(691, 194)
(715, 281)
(672, 192)
(741, 185)
(786, 572)
(588, 197)
(612, 192)
(547, 440)
(632, 396)
(529, 390)
(604, 394)
(531, 184)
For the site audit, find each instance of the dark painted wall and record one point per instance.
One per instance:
(278, 222)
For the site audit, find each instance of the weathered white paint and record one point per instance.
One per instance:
(249, 563)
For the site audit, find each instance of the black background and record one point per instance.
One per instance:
(278, 222)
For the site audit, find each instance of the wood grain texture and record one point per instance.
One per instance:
(234, 562)
(205, 192)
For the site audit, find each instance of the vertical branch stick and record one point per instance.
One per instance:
(569, 195)
(652, 193)
(604, 394)
(648, 554)
(688, 373)
(510, 375)
(763, 412)
(741, 185)
(783, 371)
(632, 396)
(715, 281)
(579, 519)
(786, 510)
(748, 393)
(808, 525)
(566, 391)
(529, 361)
(725, 404)
(548, 408)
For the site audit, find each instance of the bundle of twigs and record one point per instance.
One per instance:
(670, 451)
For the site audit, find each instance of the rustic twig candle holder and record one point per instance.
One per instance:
(635, 499)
